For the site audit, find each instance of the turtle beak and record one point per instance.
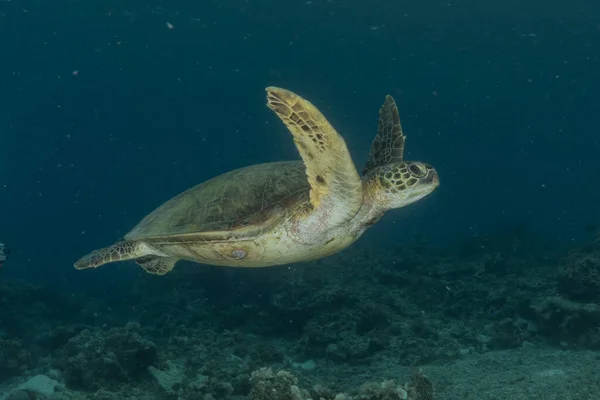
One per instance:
(433, 178)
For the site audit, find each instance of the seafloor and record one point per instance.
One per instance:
(502, 317)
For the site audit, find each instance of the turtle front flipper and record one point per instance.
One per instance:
(388, 145)
(128, 250)
(331, 173)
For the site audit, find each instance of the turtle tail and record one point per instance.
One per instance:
(120, 251)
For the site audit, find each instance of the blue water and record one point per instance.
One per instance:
(109, 108)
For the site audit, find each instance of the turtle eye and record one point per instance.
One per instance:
(417, 170)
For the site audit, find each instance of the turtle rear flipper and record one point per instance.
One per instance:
(120, 251)
(156, 265)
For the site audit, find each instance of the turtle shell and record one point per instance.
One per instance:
(243, 198)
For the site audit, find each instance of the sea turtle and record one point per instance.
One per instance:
(281, 212)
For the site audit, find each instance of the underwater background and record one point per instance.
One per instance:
(489, 288)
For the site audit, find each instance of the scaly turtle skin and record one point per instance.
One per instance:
(283, 212)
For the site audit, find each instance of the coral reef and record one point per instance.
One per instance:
(267, 385)
(567, 322)
(205, 333)
(579, 276)
(94, 359)
(14, 358)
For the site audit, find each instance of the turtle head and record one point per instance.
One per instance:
(401, 183)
